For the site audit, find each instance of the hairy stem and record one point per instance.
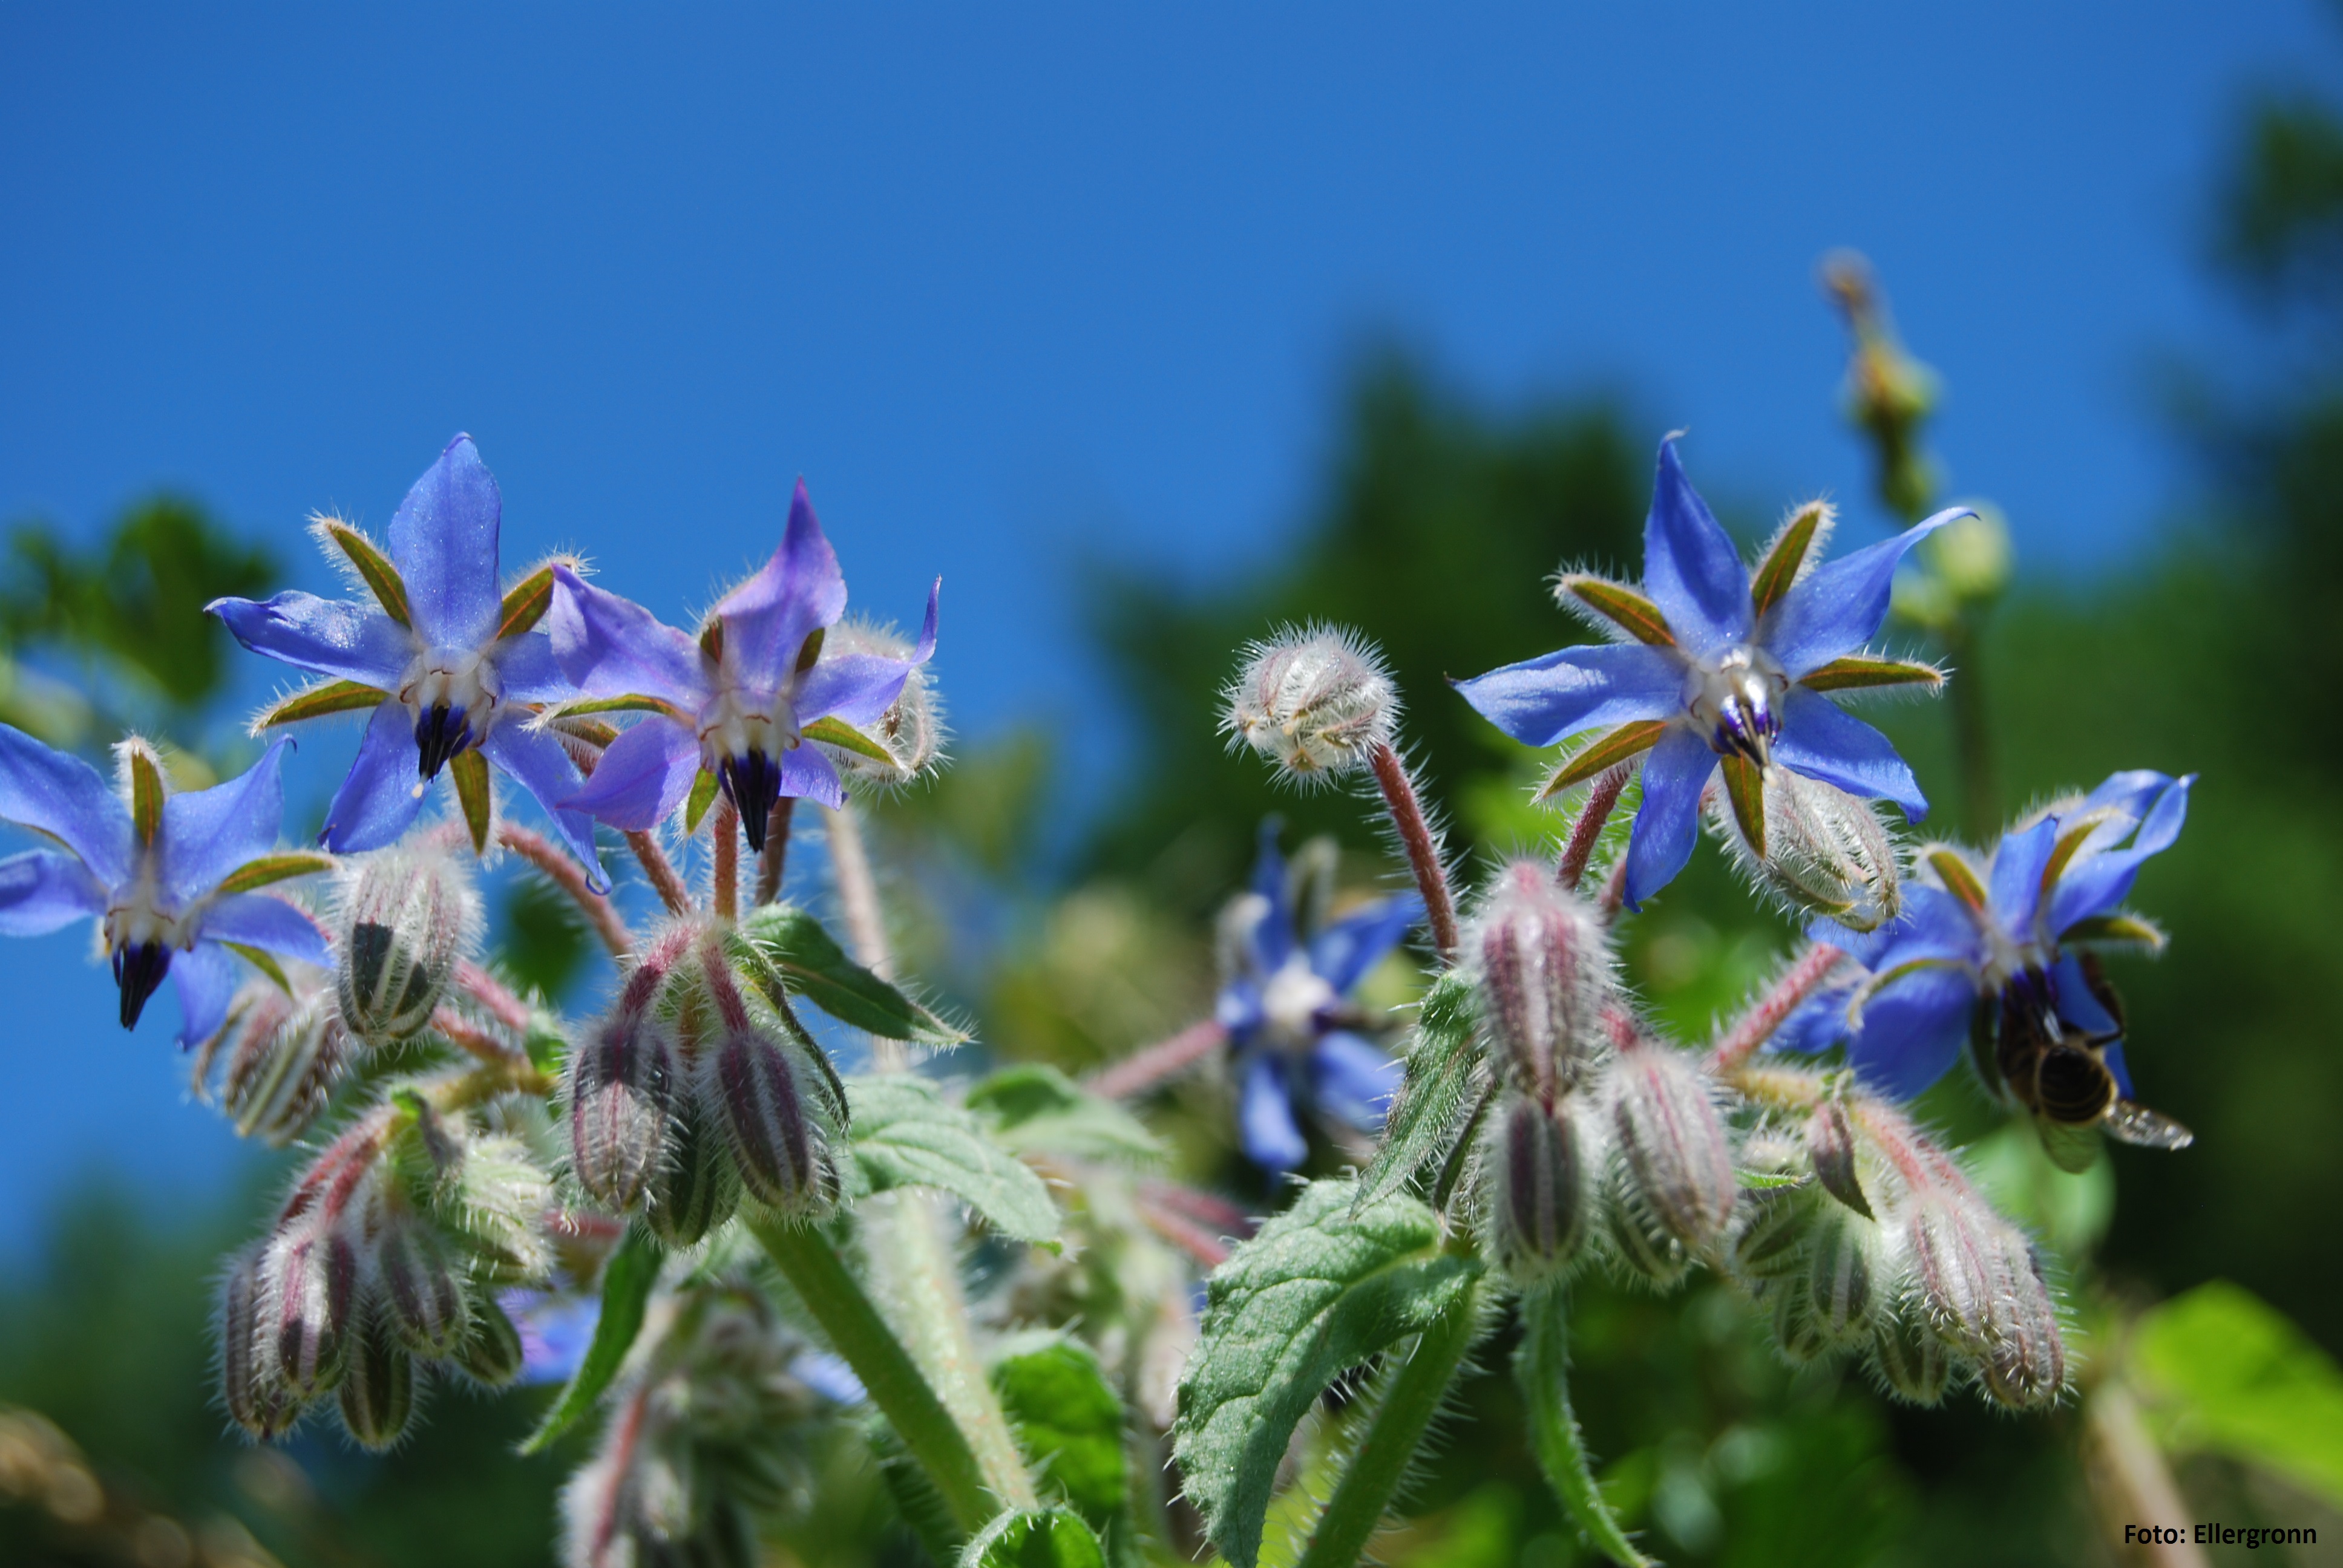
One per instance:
(566, 874)
(1755, 1026)
(2129, 1480)
(724, 884)
(473, 1040)
(1587, 830)
(1412, 1394)
(866, 919)
(494, 995)
(774, 859)
(1460, 1158)
(894, 1382)
(1541, 1367)
(1143, 1068)
(660, 871)
(1423, 846)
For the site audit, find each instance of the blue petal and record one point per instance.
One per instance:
(208, 833)
(807, 775)
(270, 924)
(1272, 935)
(925, 648)
(855, 687)
(41, 890)
(644, 774)
(1238, 1008)
(1353, 1080)
(1836, 609)
(1542, 701)
(2015, 890)
(768, 618)
(443, 539)
(65, 798)
(1911, 1031)
(1345, 951)
(327, 637)
(2096, 885)
(205, 977)
(1690, 568)
(1933, 925)
(2114, 1057)
(613, 647)
(2129, 792)
(535, 761)
(2077, 1007)
(1669, 820)
(378, 800)
(528, 672)
(1816, 1024)
(1823, 740)
(1271, 1137)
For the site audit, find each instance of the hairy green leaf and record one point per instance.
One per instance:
(807, 962)
(627, 1281)
(1044, 1538)
(905, 1134)
(2228, 1372)
(1320, 1289)
(1444, 1077)
(1068, 1422)
(1034, 1107)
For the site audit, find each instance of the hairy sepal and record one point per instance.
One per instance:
(1444, 1080)
(905, 1134)
(798, 957)
(1320, 1289)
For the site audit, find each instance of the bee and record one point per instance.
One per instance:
(2059, 1071)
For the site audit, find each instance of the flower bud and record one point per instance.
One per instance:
(283, 1056)
(622, 1088)
(752, 1091)
(912, 729)
(1830, 1144)
(1910, 1358)
(425, 1301)
(1843, 1270)
(1675, 1157)
(1539, 1191)
(1950, 1238)
(311, 1277)
(1542, 967)
(1769, 1234)
(378, 1393)
(256, 1399)
(406, 916)
(2024, 1359)
(1801, 1333)
(1642, 1245)
(696, 1188)
(1823, 851)
(492, 1353)
(1316, 700)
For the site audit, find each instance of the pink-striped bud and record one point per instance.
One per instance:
(1820, 850)
(424, 1297)
(1830, 1145)
(1952, 1241)
(622, 1087)
(256, 1399)
(377, 1392)
(2024, 1359)
(282, 1058)
(1675, 1157)
(405, 918)
(492, 1353)
(312, 1274)
(1543, 968)
(1539, 1191)
(1909, 1356)
(696, 1188)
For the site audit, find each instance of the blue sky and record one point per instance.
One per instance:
(1014, 285)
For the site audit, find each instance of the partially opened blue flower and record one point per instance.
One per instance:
(451, 665)
(2009, 945)
(1284, 1000)
(737, 702)
(170, 879)
(1714, 663)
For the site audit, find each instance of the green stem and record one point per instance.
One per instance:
(1541, 1366)
(857, 1332)
(1411, 1398)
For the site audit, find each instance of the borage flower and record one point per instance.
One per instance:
(169, 878)
(2000, 952)
(1284, 1000)
(452, 667)
(732, 707)
(1717, 663)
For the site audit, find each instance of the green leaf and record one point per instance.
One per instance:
(2227, 1372)
(1036, 1108)
(627, 1281)
(469, 769)
(1047, 1538)
(1068, 1422)
(807, 962)
(1764, 1181)
(1443, 1080)
(905, 1134)
(1320, 1289)
(373, 567)
(525, 602)
(1541, 1367)
(547, 1047)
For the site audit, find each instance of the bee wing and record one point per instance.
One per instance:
(2129, 1122)
(2071, 1147)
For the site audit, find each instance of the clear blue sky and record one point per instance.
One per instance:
(1010, 284)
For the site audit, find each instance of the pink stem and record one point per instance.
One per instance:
(1143, 1070)
(661, 872)
(1571, 870)
(494, 995)
(473, 1039)
(1756, 1026)
(566, 875)
(724, 892)
(1423, 846)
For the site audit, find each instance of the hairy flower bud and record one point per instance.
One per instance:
(1909, 1356)
(1769, 1234)
(1843, 1285)
(1675, 1156)
(749, 1087)
(280, 1057)
(492, 1353)
(1801, 1333)
(377, 1392)
(405, 918)
(1542, 967)
(1830, 1145)
(1952, 1241)
(1316, 700)
(256, 1399)
(1539, 1191)
(423, 1298)
(912, 731)
(312, 1275)
(500, 1200)
(621, 1090)
(1819, 849)
(695, 1187)
(2025, 1360)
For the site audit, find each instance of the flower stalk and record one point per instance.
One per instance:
(1422, 845)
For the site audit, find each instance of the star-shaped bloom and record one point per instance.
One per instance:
(1284, 1000)
(733, 706)
(170, 879)
(1716, 663)
(452, 667)
(2007, 944)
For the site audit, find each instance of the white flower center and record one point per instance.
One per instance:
(1734, 698)
(1292, 1004)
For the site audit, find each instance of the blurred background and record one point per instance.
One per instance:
(1149, 331)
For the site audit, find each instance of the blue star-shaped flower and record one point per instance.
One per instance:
(452, 667)
(2000, 933)
(1284, 1002)
(1719, 663)
(170, 879)
(738, 701)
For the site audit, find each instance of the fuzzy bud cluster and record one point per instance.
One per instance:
(1820, 850)
(277, 1057)
(687, 1096)
(1316, 701)
(404, 918)
(1672, 1168)
(912, 731)
(706, 1428)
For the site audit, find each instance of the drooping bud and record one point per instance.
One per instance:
(1797, 1329)
(492, 1353)
(279, 1058)
(1769, 1234)
(424, 1297)
(311, 1277)
(2024, 1359)
(1842, 1275)
(1314, 699)
(1640, 1243)
(1674, 1154)
(1909, 1356)
(912, 729)
(1539, 1187)
(1830, 1144)
(749, 1087)
(1542, 967)
(500, 1199)
(696, 1188)
(1950, 1238)
(378, 1393)
(621, 1091)
(256, 1399)
(1816, 848)
(405, 918)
